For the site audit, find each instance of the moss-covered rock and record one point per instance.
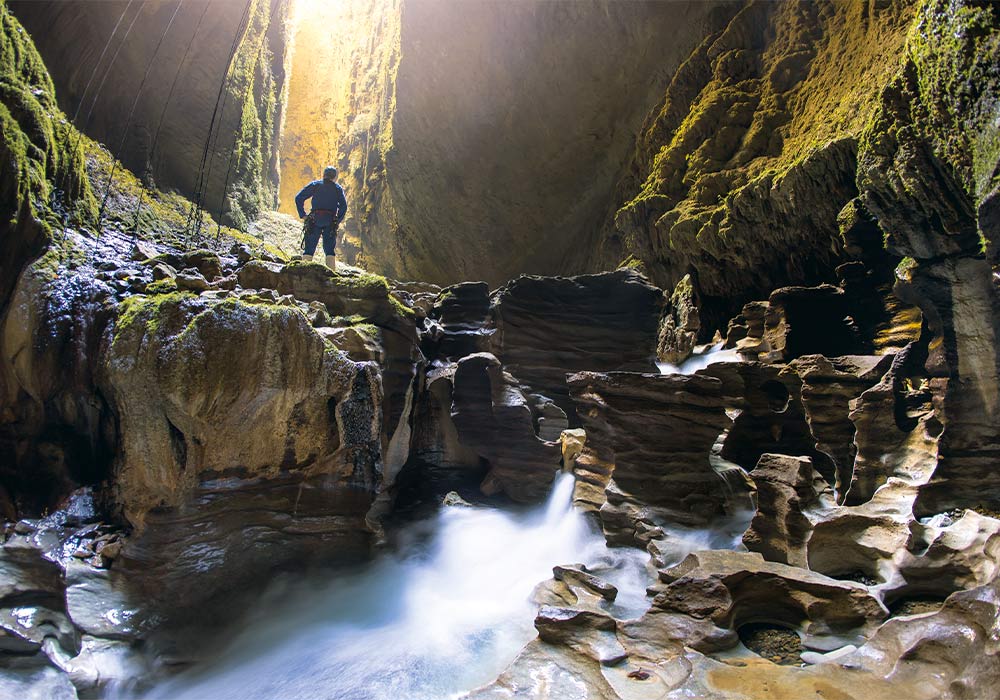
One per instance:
(204, 388)
(738, 178)
(238, 177)
(927, 170)
(43, 178)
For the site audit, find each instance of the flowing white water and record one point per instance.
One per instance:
(702, 357)
(444, 616)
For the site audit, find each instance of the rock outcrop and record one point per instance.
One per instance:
(654, 435)
(549, 327)
(724, 179)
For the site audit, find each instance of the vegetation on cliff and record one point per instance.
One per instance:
(43, 176)
(739, 176)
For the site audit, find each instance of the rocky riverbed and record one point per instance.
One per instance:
(752, 458)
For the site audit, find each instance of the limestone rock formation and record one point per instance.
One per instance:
(828, 387)
(549, 327)
(823, 177)
(463, 316)
(679, 331)
(786, 486)
(654, 434)
(722, 180)
(494, 420)
(496, 396)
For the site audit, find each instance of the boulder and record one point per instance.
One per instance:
(680, 326)
(201, 388)
(786, 487)
(588, 633)
(191, 280)
(547, 327)
(437, 446)
(735, 588)
(494, 420)
(56, 429)
(462, 313)
(828, 387)
(656, 433)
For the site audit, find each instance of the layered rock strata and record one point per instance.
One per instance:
(548, 327)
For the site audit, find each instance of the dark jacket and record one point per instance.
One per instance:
(328, 201)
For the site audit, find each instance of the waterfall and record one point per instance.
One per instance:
(445, 614)
(702, 357)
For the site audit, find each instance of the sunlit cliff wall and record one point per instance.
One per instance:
(740, 174)
(341, 60)
(479, 139)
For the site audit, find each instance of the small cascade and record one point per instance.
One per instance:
(445, 614)
(560, 502)
(702, 357)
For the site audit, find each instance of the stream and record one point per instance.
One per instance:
(444, 614)
(702, 357)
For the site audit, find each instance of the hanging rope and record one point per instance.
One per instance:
(163, 114)
(114, 58)
(131, 113)
(246, 97)
(193, 224)
(104, 51)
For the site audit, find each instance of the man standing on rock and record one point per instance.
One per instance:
(328, 209)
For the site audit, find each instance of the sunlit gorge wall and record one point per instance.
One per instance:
(477, 139)
(341, 67)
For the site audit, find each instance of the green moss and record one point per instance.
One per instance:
(905, 268)
(164, 286)
(41, 169)
(365, 280)
(632, 263)
(352, 320)
(955, 49)
(401, 309)
(369, 329)
(147, 315)
(252, 186)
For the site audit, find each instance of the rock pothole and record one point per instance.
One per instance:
(773, 642)
(916, 605)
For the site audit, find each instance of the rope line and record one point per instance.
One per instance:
(114, 58)
(63, 185)
(193, 224)
(246, 98)
(104, 51)
(163, 114)
(131, 113)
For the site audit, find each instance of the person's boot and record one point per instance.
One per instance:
(306, 258)
(331, 262)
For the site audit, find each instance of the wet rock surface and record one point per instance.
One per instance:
(179, 423)
(548, 327)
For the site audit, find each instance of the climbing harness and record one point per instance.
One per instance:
(309, 223)
(307, 227)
